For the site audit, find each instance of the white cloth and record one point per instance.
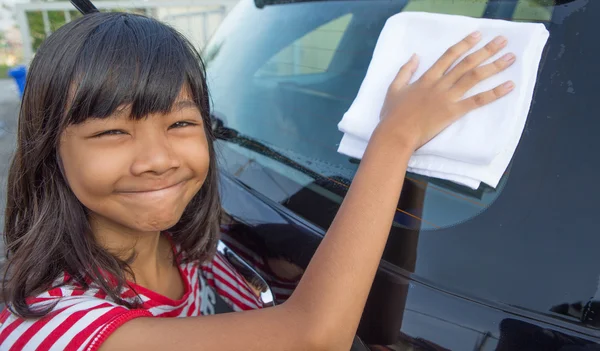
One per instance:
(478, 147)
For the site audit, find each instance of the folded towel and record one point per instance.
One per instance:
(478, 147)
(440, 168)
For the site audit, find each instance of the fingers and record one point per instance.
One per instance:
(451, 55)
(474, 60)
(405, 73)
(474, 76)
(485, 98)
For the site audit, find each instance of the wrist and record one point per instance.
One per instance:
(405, 140)
(390, 147)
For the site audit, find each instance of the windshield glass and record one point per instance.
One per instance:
(302, 74)
(281, 77)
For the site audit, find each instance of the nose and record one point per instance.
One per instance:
(154, 154)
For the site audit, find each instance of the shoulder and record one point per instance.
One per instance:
(78, 320)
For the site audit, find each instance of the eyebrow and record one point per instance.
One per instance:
(180, 105)
(121, 112)
(177, 106)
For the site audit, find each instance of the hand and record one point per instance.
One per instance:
(418, 112)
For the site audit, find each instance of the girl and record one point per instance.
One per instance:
(113, 208)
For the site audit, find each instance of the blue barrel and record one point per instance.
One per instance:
(19, 73)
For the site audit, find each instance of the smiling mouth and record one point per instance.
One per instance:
(155, 192)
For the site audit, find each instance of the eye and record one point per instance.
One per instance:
(181, 124)
(110, 132)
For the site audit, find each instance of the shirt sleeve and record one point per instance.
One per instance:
(74, 323)
(230, 285)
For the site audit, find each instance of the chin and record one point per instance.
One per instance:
(154, 226)
(158, 221)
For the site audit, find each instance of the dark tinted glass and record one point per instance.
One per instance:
(282, 76)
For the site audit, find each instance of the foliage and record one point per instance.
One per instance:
(36, 24)
(56, 20)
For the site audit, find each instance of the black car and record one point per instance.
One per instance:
(512, 268)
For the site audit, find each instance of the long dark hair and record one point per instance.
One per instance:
(88, 68)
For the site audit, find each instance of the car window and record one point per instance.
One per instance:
(521, 10)
(310, 54)
(280, 137)
(306, 85)
(472, 8)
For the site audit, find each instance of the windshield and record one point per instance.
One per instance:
(282, 75)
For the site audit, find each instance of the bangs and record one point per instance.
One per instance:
(133, 61)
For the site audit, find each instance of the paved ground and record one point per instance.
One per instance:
(9, 108)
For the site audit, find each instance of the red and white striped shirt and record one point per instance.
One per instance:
(282, 288)
(83, 319)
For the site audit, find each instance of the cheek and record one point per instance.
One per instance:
(91, 173)
(195, 154)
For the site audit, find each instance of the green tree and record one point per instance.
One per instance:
(36, 24)
(56, 20)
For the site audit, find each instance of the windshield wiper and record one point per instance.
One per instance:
(233, 136)
(262, 3)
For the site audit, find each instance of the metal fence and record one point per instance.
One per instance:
(196, 19)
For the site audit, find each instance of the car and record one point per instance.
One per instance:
(511, 268)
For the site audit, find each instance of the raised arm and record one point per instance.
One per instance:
(324, 311)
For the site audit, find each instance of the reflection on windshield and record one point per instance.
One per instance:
(292, 88)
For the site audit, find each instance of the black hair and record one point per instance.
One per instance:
(89, 68)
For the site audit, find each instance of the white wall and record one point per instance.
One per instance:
(197, 23)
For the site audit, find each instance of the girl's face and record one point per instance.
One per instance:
(137, 175)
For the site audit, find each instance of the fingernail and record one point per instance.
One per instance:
(508, 57)
(509, 85)
(500, 40)
(414, 58)
(475, 35)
